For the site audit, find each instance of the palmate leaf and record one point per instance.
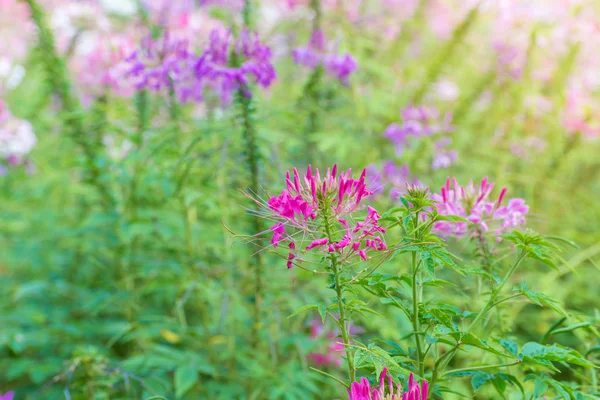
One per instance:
(499, 380)
(535, 246)
(470, 339)
(546, 355)
(540, 298)
(377, 358)
(442, 314)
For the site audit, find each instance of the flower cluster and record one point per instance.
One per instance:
(472, 202)
(16, 139)
(315, 55)
(229, 65)
(419, 122)
(161, 64)
(313, 202)
(362, 390)
(390, 175)
(225, 66)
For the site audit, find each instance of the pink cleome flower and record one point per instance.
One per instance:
(362, 390)
(312, 202)
(473, 203)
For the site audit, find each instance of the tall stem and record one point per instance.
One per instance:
(415, 316)
(340, 300)
(488, 306)
(447, 357)
(71, 109)
(252, 158)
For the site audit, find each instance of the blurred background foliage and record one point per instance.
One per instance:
(122, 275)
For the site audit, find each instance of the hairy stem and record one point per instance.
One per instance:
(415, 315)
(252, 159)
(339, 295)
(71, 109)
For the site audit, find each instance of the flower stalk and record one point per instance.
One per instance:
(336, 268)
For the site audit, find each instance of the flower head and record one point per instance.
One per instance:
(341, 66)
(252, 62)
(362, 390)
(312, 201)
(159, 64)
(474, 203)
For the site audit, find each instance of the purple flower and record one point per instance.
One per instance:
(419, 122)
(215, 69)
(341, 66)
(389, 175)
(161, 63)
(7, 396)
(443, 158)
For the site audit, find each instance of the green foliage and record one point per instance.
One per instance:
(146, 274)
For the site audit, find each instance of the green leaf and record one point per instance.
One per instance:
(472, 340)
(323, 313)
(305, 308)
(479, 379)
(540, 299)
(509, 346)
(185, 378)
(543, 355)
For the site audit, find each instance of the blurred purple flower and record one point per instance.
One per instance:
(389, 175)
(417, 122)
(7, 396)
(215, 67)
(315, 54)
(159, 64)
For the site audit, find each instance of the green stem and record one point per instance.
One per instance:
(71, 109)
(481, 367)
(490, 303)
(340, 300)
(245, 104)
(415, 316)
(447, 357)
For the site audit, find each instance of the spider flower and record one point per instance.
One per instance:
(313, 201)
(162, 63)
(229, 64)
(340, 66)
(362, 390)
(474, 203)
